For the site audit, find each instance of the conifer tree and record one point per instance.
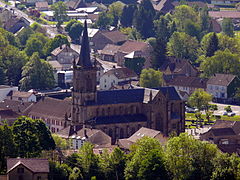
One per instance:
(212, 46)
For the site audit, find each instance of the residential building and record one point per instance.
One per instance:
(15, 24)
(132, 49)
(108, 53)
(102, 38)
(188, 84)
(79, 135)
(223, 86)
(174, 66)
(225, 134)
(22, 96)
(41, 6)
(224, 2)
(54, 112)
(64, 55)
(117, 76)
(164, 6)
(5, 90)
(142, 132)
(120, 113)
(27, 169)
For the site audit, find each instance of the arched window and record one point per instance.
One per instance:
(97, 112)
(137, 110)
(109, 111)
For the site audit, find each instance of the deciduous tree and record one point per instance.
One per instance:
(151, 78)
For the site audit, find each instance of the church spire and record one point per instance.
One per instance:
(84, 57)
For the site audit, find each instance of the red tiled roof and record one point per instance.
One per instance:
(121, 73)
(115, 36)
(35, 165)
(185, 81)
(221, 79)
(50, 108)
(130, 46)
(224, 14)
(110, 49)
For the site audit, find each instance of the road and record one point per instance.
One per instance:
(50, 29)
(221, 107)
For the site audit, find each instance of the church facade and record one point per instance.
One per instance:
(120, 113)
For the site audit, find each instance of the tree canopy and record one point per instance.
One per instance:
(151, 78)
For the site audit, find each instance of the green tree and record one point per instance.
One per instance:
(228, 109)
(31, 137)
(151, 78)
(7, 145)
(192, 28)
(60, 142)
(136, 64)
(200, 99)
(37, 74)
(104, 20)
(188, 158)
(182, 14)
(146, 160)
(231, 43)
(205, 21)
(88, 161)
(59, 171)
(34, 45)
(112, 165)
(213, 45)
(44, 135)
(54, 43)
(227, 27)
(76, 174)
(181, 45)
(75, 31)
(24, 34)
(59, 12)
(163, 31)
(25, 137)
(222, 62)
(226, 167)
(115, 9)
(127, 15)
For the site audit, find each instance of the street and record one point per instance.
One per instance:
(221, 107)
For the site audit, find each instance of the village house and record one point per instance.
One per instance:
(142, 132)
(188, 84)
(133, 49)
(41, 6)
(27, 169)
(223, 86)
(15, 24)
(22, 96)
(108, 53)
(5, 90)
(225, 134)
(64, 55)
(164, 6)
(174, 66)
(117, 76)
(102, 38)
(78, 135)
(54, 112)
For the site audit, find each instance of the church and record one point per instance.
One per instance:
(120, 113)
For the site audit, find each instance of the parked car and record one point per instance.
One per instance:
(231, 114)
(225, 113)
(190, 110)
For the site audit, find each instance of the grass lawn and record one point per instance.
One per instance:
(191, 119)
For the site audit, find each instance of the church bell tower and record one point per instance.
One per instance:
(84, 82)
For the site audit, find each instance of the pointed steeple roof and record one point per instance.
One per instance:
(84, 57)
